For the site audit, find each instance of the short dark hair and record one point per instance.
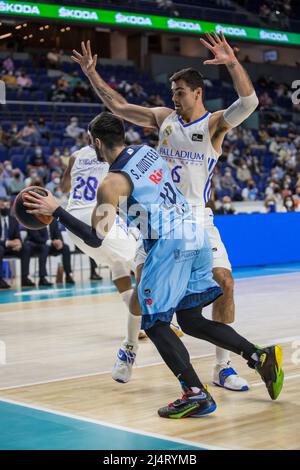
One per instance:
(108, 128)
(192, 77)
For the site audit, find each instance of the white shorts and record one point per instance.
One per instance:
(117, 250)
(220, 256)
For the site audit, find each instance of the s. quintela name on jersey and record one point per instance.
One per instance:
(166, 152)
(144, 164)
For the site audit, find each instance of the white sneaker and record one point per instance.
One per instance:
(122, 369)
(226, 377)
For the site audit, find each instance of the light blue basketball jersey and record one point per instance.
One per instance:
(155, 205)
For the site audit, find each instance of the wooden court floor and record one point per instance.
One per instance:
(60, 352)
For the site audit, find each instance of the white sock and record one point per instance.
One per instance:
(222, 355)
(133, 329)
(126, 296)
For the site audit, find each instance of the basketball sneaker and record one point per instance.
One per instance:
(226, 377)
(191, 404)
(122, 369)
(269, 368)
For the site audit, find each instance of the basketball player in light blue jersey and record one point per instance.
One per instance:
(177, 273)
(190, 141)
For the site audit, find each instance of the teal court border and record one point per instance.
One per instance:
(24, 427)
(106, 287)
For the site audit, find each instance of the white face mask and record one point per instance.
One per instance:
(227, 206)
(8, 168)
(289, 203)
(56, 180)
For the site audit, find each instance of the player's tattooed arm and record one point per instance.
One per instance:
(66, 179)
(116, 103)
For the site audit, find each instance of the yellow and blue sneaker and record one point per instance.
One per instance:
(269, 366)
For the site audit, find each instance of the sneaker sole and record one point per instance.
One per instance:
(209, 410)
(243, 389)
(191, 413)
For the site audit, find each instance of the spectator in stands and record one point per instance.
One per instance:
(73, 130)
(250, 193)
(243, 173)
(9, 79)
(124, 88)
(8, 64)
(24, 81)
(296, 198)
(289, 204)
(65, 156)
(58, 247)
(33, 178)
(54, 185)
(36, 245)
(226, 207)
(270, 205)
(39, 160)
(168, 7)
(10, 239)
(7, 169)
(228, 182)
(132, 136)
(156, 100)
(150, 136)
(43, 129)
(29, 133)
(55, 161)
(265, 100)
(16, 183)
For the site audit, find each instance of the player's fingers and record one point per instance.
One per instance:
(206, 44)
(76, 54)
(33, 195)
(211, 39)
(84, 50)
(223, 37)
(89, 48)
(216, 37)
(209, 62)
(75, 59)
(95, 60)
(33, 211)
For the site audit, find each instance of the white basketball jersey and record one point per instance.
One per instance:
(189, 153)
(86, 175)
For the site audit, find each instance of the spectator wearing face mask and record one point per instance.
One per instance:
(54, 185)
(288, 204)
(250, 193)
(226, 207)
(243, 173)
(38, 160)
(43, 129)
(270, 205)
(73, 130)
(228, 182)
(29, 133)
(16, 183)
(55, 162)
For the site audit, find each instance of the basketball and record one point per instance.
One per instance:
(30, 221)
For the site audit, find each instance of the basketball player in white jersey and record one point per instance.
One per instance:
(190, 139)
(81, 179)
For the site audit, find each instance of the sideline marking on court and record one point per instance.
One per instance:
(113, 426)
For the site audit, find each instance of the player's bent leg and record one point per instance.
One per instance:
(224, 375)
(266, 361)
(196, 400)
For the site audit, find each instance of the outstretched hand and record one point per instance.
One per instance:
(223, 52)
(86, 60)
(38, 204)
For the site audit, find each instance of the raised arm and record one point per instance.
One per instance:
(66, 179)
(116, 103)
(224, 120)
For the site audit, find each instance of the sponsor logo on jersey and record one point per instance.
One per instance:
(147, 291)
(130, 151)
(181, 154)
(167, 131)
(148, 301)
(181, 256)
(156, 176)
(165, 142)
(197, 137)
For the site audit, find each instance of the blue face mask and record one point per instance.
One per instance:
(272, 207)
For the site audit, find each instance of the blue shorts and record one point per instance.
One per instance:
(177, 275)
